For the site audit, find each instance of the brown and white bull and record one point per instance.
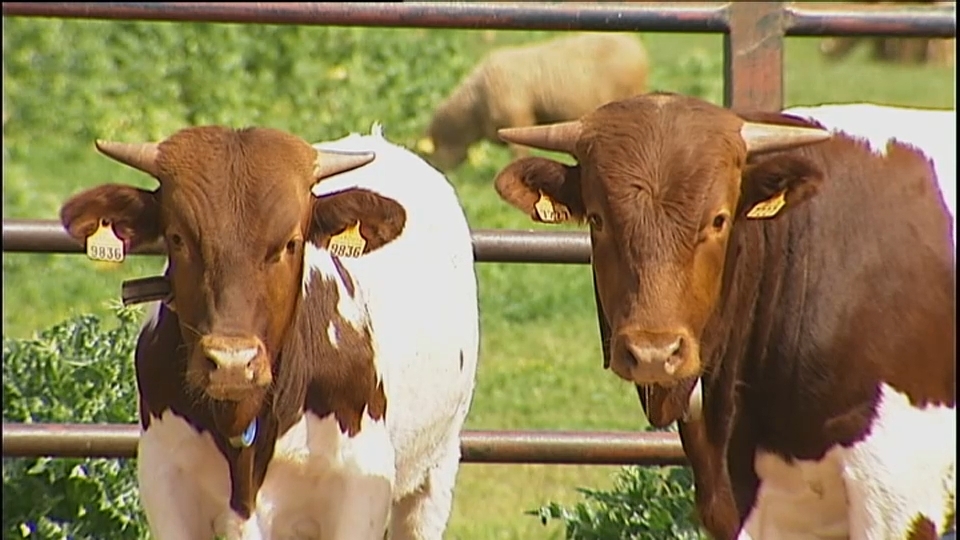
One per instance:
(805, 280)
(287, 392)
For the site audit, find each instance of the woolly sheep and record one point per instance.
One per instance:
(552, 81)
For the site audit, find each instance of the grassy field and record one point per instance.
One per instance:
(540, 363)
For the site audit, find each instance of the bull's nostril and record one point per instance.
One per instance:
(630, 358)
(674, 347)
(666, 353)
(211, 364)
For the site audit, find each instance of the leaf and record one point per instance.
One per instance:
(70, 372)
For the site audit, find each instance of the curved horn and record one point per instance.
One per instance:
(560, 137)
(769, 137)
(331, 162)
(142, 156)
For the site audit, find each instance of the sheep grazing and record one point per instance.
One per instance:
(552, 81)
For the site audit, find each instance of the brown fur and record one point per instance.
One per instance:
(792, 322)
(555, 80)
(235, 209)
(922, 529)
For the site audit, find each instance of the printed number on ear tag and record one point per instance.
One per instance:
(349, 243)
(550, 211)
(103, 245)
(767, 208)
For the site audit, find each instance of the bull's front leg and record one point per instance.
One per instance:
(368, 469)
(716, 505)
(174, 498)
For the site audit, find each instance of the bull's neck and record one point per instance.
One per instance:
(752, 295)
(246, 431)
(238, 421)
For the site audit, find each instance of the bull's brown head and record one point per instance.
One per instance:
(660, 180)
(234, 208)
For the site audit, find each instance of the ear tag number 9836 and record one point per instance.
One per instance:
(103, 245)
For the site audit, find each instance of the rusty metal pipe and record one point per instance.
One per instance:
(489, 245)
(659, 16)
(809, 19)
(554, 447)
(800, 20)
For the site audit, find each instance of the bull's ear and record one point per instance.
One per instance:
(546, 190)
(381, 219)
(774, 184)
(133, 213)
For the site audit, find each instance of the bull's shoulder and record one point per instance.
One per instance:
(928, 132)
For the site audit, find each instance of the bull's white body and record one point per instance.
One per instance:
(419, 295)
(906, 466)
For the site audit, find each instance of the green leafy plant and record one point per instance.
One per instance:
(75, 371)
(645, 503)
(697, 73)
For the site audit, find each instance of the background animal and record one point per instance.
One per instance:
(903, 50)
(807, 287)
(555, 80)
(296, 388)
(892, 49)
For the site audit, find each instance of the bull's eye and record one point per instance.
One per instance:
(595, 222)
(277, 254)
(176, 241)
(719, 222)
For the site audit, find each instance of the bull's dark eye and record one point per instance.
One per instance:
(719, 221)
(176, 241)
(291, 247)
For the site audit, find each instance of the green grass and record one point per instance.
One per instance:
(540, 366)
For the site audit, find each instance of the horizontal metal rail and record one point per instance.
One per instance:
(489, 245)
(799, 19)
(916, 20)
(753, 57)
(666, 16)
(555, 447)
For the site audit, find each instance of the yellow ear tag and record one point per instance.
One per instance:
(425, 145)
(349, 243)
(103, 245)
(550, 211)
(768, 208)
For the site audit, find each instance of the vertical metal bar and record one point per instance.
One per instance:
(753, 56)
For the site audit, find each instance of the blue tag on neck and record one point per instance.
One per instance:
(246, 439)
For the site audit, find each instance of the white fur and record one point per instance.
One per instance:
(419, 296)
(933, 131)
(333, 335)
(872, 490)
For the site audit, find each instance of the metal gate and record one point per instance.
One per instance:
(753, 48)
